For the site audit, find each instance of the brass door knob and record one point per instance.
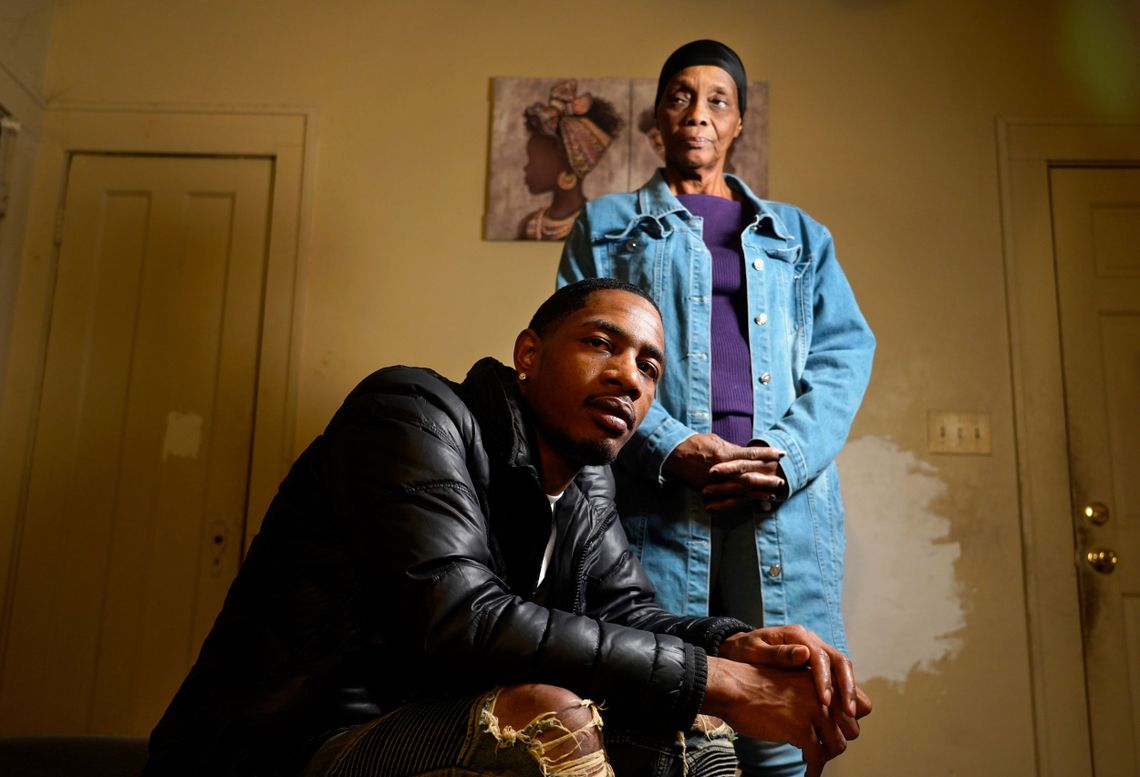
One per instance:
(1096, 513)
(1103, 560)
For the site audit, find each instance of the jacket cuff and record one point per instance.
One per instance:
(794, 465)
(724, 628)
(697, 673)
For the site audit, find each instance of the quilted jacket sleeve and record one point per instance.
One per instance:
(404, 461)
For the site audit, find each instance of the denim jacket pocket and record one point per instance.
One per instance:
(790, 255)
(636, 254)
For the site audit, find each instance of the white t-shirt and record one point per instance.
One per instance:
(549, 552)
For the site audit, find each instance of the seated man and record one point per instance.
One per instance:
(441, 583)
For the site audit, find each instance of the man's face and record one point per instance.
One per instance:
(591, 379)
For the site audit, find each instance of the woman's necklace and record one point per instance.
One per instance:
(542, 227)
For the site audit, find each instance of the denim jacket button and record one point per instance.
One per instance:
(758, 264)
(762, 319)
(774, 570)
(766, 378)
(633, 244)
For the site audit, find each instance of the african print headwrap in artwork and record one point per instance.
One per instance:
(564, 117)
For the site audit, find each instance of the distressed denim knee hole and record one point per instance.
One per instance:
(546, 735)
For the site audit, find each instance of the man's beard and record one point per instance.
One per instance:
(589, 453)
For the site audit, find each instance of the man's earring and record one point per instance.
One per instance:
(523, 377)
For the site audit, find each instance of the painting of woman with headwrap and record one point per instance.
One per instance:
(556, 143)
(569, 134)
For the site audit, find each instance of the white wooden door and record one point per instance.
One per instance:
(1096, 222)
(133, 520)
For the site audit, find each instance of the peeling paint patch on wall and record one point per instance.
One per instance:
(183, 435)
(901, 601)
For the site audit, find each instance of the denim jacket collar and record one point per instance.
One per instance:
(657, 201)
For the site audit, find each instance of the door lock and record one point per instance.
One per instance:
(1103, 560)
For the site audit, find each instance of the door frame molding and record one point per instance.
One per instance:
(286, 136)
(1026, 151)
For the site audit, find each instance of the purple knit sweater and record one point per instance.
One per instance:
(724, 220)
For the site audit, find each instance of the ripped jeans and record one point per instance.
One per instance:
(462, 738)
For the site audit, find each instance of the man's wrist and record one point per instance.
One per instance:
(721, 689)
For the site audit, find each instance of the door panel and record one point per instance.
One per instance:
(135, 509)
(1096, 220)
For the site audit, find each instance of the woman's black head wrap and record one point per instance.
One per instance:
(705, 52)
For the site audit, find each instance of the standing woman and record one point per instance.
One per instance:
(729, 489)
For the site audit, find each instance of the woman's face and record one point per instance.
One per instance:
(699, 117)
(544, 161)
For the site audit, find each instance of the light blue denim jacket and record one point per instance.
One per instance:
(811, 354)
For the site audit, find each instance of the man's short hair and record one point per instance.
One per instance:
(574, 296)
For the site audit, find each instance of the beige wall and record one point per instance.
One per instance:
(882, 125)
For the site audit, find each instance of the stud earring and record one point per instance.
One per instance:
(523, 377)
(567, 180)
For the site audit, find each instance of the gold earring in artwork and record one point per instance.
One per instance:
(523, 377)
(567, 180)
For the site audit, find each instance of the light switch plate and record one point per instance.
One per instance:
(954, 432)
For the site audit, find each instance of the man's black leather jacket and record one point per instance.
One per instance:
(399, 560)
